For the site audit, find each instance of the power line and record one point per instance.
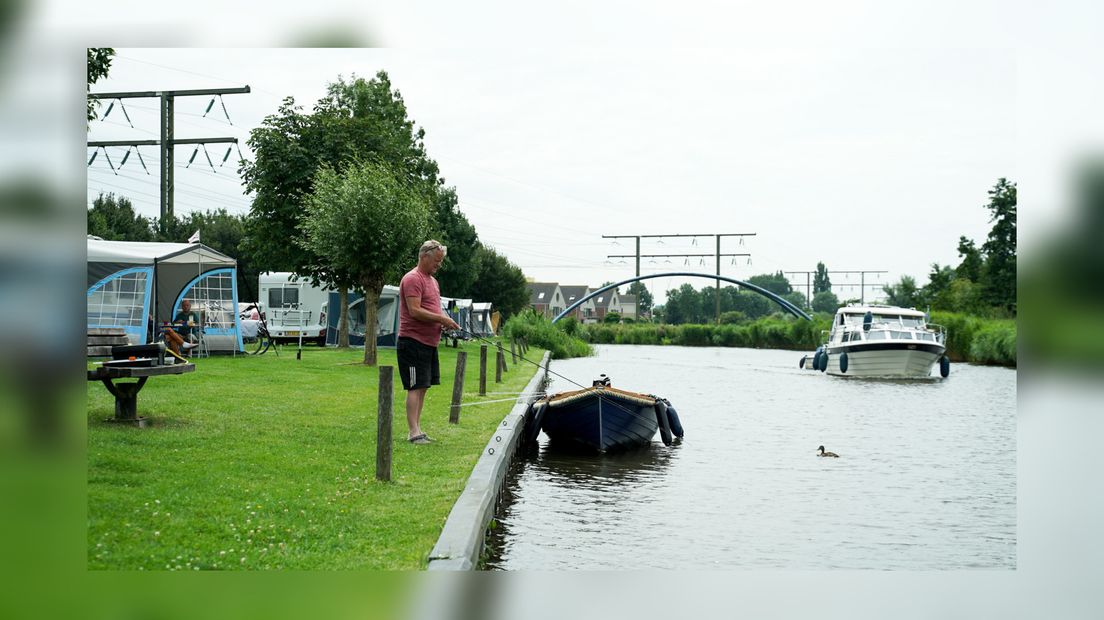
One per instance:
(167, 140)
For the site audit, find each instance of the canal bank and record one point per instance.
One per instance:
(461, 541)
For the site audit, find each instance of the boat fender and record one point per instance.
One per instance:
(661, 417)
(534, 421)
(868, 318)
(944, 367)
(823, 362)
(843, 363)
(801, 364)
(816, 360)
(673, 421)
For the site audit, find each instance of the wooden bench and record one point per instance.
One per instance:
(102, 342)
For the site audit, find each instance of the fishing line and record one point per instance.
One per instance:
(550, 371)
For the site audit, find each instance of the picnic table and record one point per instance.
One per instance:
(126, 394)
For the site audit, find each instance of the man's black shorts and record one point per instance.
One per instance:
(418, 364)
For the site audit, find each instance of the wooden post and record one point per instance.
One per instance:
(482, 370)
(513, 350)
(458, 387)
(502, 352)
(383, 424)
(500, 361)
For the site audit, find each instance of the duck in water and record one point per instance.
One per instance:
(823, 453)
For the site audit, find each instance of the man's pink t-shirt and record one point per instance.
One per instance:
(415, 284)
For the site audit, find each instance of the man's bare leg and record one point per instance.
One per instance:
(414, 400)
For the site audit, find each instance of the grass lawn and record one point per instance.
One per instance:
(265, 462)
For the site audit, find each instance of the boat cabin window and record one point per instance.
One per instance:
(876, 335)
(892, 319)
(900, 335)
(930, 337)
(856, 336)
(912, 321)
(278, 297)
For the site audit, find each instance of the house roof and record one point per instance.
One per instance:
(541, 292)
(603, 300)
(573, 292)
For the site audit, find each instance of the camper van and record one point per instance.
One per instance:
(293, 308)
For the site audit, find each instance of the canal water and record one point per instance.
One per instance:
(926, 478)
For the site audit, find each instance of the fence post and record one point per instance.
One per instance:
(513, 350)
(458, 387)
(482, 370)
(383, 424)
(500, 361)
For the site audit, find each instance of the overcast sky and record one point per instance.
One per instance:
(865, 160)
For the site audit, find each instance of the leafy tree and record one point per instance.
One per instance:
(99, 63)
(637, 288)
(962, 295)
(357, 119)
(753, 305)
(999, 273)
(683, 305)
(821, 282)
(905, 293)
(796, 298)
(773, 282)
(612, 317)
(459, 273)
(114, 219)
(499, 281)
(367, 221)
(970, 267)
(934, 292)
(825, 301)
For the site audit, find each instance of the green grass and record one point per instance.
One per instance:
(265, 462)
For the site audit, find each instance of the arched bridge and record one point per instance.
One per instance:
(786, 305)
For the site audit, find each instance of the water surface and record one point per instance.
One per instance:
(926, 478)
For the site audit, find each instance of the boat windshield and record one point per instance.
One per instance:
(876, 335)
(930, 337)
(912, 321)
(900, 335)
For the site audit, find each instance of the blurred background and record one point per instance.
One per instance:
(43, 80)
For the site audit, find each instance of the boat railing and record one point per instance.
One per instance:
(843, 330)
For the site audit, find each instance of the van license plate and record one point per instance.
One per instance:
(293, 333)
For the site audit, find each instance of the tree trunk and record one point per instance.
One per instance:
(372, 286)
(343, 322)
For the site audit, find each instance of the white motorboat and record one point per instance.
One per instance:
(882, 341)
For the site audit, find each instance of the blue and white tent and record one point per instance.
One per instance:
(136, 285)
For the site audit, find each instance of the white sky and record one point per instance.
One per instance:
(865, 160)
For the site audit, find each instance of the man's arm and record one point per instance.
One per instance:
(414, 304)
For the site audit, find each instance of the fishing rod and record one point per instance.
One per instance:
(605, 399)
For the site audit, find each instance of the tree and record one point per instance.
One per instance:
(821, 283)
(357, 119)
(905, 293)
(825, 301)
(459, 273)
(99, 63)
(500, 282)
(612, 317)
(970, 267)
(934, 293)
(114, 219)
(368, 222)
(637, 288)
(998, 278)
(683, 305)
(773, 282)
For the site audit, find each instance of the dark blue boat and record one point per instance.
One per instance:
(602, 418)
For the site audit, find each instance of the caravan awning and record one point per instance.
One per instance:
(146, 253)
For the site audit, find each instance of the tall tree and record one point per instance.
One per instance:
(637, 288)
(999, 273)
(459, 273)
(357, 119)
(773, 282)
(825, 301)
(99, 63)
(499, 281)
(905, 293)
(821, 283)
(114, 219)
(935, 291)
(367, 222)
(972, 260)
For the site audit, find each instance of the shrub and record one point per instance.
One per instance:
(538, 330)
